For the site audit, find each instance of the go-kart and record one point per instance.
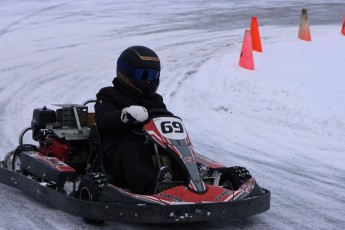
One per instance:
(66, 171)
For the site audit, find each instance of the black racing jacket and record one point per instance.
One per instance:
(108, 108)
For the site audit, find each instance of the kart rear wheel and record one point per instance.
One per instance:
(17, 163)
(7, 163)
(89, 190)
(16, 160)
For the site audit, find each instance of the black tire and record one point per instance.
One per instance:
(89, 189)
(16, 160)
(232, 178)
(7, 162)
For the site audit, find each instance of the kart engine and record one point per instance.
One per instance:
(63, 134)
(52, 147)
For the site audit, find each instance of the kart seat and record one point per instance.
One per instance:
(91, 119)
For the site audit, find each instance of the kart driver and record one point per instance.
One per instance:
(121, 106)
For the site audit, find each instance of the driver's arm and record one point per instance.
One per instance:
(108, 115)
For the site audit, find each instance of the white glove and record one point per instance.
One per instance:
(134, 114)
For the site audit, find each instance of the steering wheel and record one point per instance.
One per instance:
(158, 112)
(137, 128)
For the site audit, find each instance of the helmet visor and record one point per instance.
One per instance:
(147, 75)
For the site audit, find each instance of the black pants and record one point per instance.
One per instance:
(130, 165)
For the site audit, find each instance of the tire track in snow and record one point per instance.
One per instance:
(8, 28)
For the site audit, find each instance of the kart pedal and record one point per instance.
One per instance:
(165, 180)
(165, 175)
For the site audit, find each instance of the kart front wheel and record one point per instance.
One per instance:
(233, 177)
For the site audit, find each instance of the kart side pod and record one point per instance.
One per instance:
(47, 168)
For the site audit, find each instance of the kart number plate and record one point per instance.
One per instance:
(170, 127)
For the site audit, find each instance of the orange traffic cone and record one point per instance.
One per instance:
(304, 31)
(343, 29)
(246, 58)
(255, 33)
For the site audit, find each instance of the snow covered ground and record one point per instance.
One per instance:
(284, 121)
